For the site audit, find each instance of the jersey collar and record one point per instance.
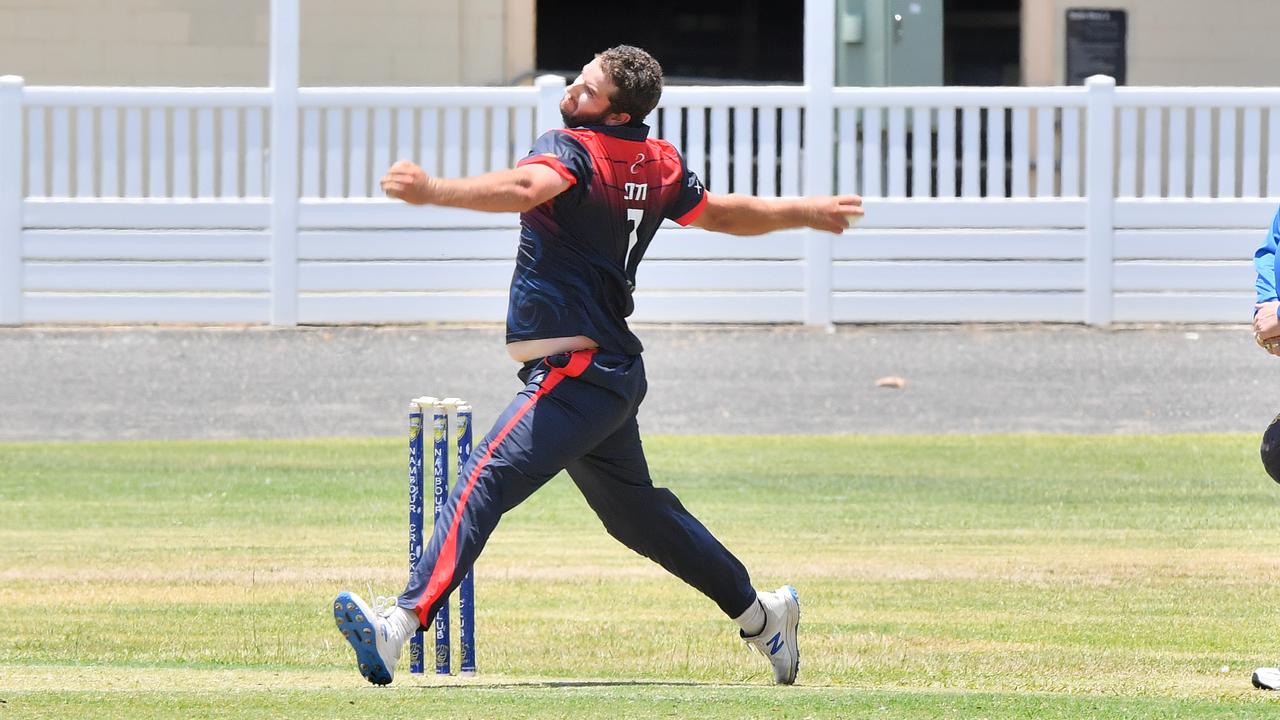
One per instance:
(623, 132)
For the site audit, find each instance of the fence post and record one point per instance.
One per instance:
(284, 162)
(819, 77)
(550, 90)
(11, 165)
(1101, 199)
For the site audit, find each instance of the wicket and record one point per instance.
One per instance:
(440, 410)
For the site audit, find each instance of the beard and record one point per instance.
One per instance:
(576, 119)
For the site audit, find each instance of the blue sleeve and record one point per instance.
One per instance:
(1264, 260)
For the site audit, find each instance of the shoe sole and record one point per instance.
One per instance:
(793, 631)
(355, 626)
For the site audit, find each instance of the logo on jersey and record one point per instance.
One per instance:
(693, 183)
(635, 166)
(636, 191)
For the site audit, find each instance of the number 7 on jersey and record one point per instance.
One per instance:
(634, 216)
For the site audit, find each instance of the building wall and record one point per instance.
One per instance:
(491, 42)
(1171, 42)
(202, 42)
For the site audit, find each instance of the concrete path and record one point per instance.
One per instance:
(109, 383)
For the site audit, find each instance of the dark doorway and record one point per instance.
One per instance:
(704, 42)
(982, 42)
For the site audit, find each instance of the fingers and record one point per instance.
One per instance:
(837, 213)
(1265, 323)
(401, 179)
(1266, 327)
(403, 170)
(846, 202)
(849, 205)
(396, 188)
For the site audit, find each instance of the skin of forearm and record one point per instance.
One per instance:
(748, 215)
(499, 191)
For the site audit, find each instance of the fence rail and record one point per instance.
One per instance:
(1090, 204)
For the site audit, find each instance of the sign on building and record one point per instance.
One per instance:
(1096, 44)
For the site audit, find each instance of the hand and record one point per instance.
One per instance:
(1266, 326)
(836, 213)
(408, 182)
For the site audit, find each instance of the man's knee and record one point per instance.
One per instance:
(643, 518)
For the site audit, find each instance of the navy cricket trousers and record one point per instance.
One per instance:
(577, 411)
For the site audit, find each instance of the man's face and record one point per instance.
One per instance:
(586, 99)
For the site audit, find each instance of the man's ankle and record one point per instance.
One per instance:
(752, 620)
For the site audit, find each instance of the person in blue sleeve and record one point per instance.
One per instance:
(590, 198)
(1266, 326)
(1266, 331)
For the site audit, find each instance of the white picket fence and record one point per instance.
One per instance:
(1092, 204)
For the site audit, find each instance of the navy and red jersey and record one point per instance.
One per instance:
(576, 267)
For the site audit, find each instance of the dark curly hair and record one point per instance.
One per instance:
(638, 77)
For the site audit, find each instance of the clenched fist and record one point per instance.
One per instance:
(408, 182)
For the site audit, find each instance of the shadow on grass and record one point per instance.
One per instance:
(514, 685)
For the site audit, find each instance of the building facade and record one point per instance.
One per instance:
(1170, 42)
(495, 42)
(224, 43)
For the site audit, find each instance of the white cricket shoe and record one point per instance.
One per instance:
(376, 637)
(1266, 678)
(777, 641)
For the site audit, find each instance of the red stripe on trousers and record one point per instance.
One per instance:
(446, 561)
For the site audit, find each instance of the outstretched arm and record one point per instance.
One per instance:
(749, 215)
(515, 190)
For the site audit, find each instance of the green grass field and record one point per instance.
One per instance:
(993, 576)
